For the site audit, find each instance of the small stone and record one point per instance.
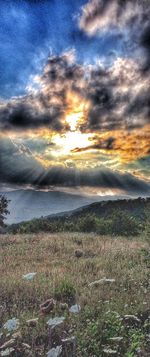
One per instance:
(29, 276)
(54, 352)
(32, 322)
(78, 253)
(109, 351)
(55, 321)
(63, 306)
(69, 340)
(116, 339)
(47, 306)
(101, 281)
(11, 324)
(75, 309)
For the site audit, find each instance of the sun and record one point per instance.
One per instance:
(76, 112)
(70, 141)
(75, 115)
(64, 143)
(73, 119)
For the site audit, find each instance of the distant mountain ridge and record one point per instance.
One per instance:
(134, 208)
(29, 204)
(26, 204)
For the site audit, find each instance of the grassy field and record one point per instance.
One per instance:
(114, 315)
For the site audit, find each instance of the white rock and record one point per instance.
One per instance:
(54, 352)
(101, 281)
(69, 339)
(11, 324)
(75, 309)
(117, 339)
(109, 351)
(56, 321)
(29, 276)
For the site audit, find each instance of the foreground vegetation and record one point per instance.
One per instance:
(114, 315)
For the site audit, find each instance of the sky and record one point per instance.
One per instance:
(75, 94)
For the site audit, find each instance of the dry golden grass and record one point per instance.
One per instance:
(52, 256)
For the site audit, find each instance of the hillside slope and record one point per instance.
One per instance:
(97, 212)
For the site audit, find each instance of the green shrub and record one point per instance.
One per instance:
(65, 291)
(104, 226)
(124, 224)
(88, 223)
(3, 209)
(146, 226)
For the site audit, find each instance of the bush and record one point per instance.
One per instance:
(104, 226)
(146, 226)
(88, 223)
(65, 291)
(3, 209)
(124, 224)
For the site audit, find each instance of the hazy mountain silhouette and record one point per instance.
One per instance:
(26, 204)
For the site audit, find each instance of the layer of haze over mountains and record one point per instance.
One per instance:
(26, 204)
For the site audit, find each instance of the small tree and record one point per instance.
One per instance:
(3, 209)
(124, 224)
(147, 224)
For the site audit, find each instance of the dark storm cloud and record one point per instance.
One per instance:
(118, 97)
(19, 115)
(47, 106)
(18, 167)
(145, 43)
(140, 104)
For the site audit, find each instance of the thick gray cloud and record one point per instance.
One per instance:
(46, 106)
(118, 96)
(19, 166)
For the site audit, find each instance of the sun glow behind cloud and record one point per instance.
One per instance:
(67, 142)
(75, 115)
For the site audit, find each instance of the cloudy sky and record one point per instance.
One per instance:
(75, 94)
